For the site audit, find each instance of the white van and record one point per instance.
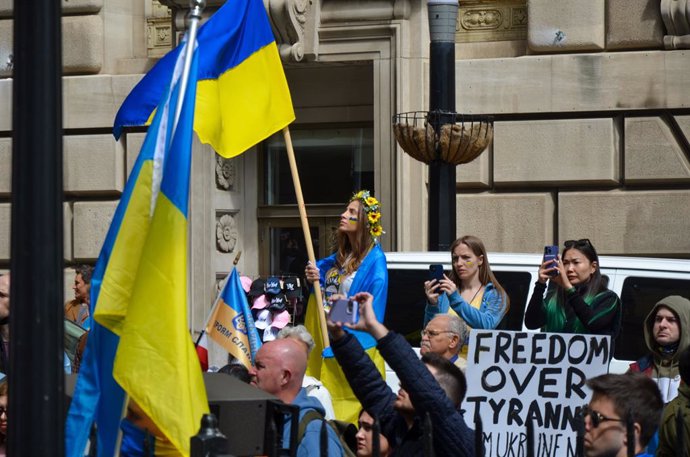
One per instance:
(639, 282)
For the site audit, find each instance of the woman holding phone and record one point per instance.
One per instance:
(357, 265)
(470, 290)
(580, 302)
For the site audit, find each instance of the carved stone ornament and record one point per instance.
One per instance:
(481, 19)
(226, 233)
(676, 17)
(225, 173)
(289, 19)
(491, 20)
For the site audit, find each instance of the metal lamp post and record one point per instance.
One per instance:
(441, 137)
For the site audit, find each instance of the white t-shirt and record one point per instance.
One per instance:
(317, 390)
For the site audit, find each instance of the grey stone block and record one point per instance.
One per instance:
(574, 82)
(68, 7)
(476, 174)
(507, 222)
(134, 141)
(5, 221)
(94, 164)
(558, 152)
(633, 24)
(81, 6)
(565, 25)
(5, 231)
(652, 153)
(67, 231)
(80, 55)
(93, 101)
(6, 46)
(5, 105)
(684, 123)
(91, 222)
(651, 223)
(82, 44)
(5, 166)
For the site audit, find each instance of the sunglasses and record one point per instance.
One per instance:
(574, 243)
(596, 418)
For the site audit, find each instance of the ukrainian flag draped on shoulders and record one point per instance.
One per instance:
(372, 277)
(242, 95)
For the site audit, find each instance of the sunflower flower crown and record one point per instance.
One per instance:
(372, 209)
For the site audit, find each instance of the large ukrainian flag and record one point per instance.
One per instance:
(142, 295)
(156, 363)
(242, 94)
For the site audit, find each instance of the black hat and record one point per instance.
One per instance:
(273, 285)
(257, 288)
(278, 303)
(292, 288)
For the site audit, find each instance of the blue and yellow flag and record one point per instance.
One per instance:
(232, 325)
(156, 363)
(242, 94)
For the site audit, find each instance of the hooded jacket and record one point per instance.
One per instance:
(658, 365)
(311, 442)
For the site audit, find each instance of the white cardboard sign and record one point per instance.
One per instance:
(513, 377)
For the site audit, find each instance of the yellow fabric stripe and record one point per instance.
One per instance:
(328, 371)
(156, 363)
(123, 265)
(223, 332)
(345, 404)
(244, 105)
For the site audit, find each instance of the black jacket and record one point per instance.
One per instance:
(451, 436)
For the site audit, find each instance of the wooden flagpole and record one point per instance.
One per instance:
(307, 232)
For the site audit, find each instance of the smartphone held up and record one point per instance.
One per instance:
(345, 311)
(436, 272)
(551, 255)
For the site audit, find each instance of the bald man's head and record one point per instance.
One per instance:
(279, 368)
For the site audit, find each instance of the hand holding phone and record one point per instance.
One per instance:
(345, 311)
(551, 254)
(436, 272)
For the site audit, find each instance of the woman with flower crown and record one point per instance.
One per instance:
(357, 265)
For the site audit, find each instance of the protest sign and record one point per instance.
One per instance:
(515, 377)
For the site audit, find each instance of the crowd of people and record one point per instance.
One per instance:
(646, 410)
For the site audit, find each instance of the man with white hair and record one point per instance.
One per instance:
(444, 335)
(313, 386)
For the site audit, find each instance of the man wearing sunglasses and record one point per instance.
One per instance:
(616, 400)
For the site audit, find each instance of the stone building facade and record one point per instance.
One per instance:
(592, 126)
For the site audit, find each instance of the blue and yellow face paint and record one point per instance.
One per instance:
(352, 220)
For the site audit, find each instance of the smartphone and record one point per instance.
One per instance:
(344, 310)
(436, 272)
(551, 253)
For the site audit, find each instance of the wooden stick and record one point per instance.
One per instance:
(307, 232)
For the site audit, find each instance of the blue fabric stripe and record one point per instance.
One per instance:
(175, 183)
(236, 31)
(233, 295)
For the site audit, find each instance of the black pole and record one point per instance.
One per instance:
(442, 217)
(36, 376)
